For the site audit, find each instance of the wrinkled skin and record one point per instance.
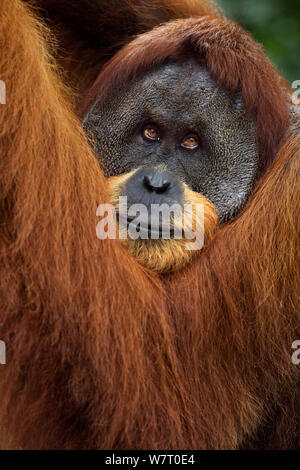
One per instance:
(181, 98)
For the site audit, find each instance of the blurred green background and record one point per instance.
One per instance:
(275, 24)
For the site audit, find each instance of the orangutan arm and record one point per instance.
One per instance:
(74, 309)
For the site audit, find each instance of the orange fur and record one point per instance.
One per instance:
(89, 32)
(102, 353)
(163, 256)
(233, 58)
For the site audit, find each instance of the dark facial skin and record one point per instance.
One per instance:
(183, 105)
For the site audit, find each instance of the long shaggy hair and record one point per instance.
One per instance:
(89, 32)
(102, 353)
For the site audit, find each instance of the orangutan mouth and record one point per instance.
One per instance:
(145, 229)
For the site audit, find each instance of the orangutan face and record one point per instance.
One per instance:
(174, 139)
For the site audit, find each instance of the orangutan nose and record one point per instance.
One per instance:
(157, 182)
(153, 186)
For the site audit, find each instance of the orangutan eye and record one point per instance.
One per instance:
(190, 142)
(151, 132)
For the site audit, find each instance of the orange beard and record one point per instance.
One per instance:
(169, 255)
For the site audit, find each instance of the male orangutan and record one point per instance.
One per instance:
(138, 345)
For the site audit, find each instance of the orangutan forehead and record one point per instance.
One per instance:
(180, 91)
(179, 79)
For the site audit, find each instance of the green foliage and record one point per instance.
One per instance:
(276, 25)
